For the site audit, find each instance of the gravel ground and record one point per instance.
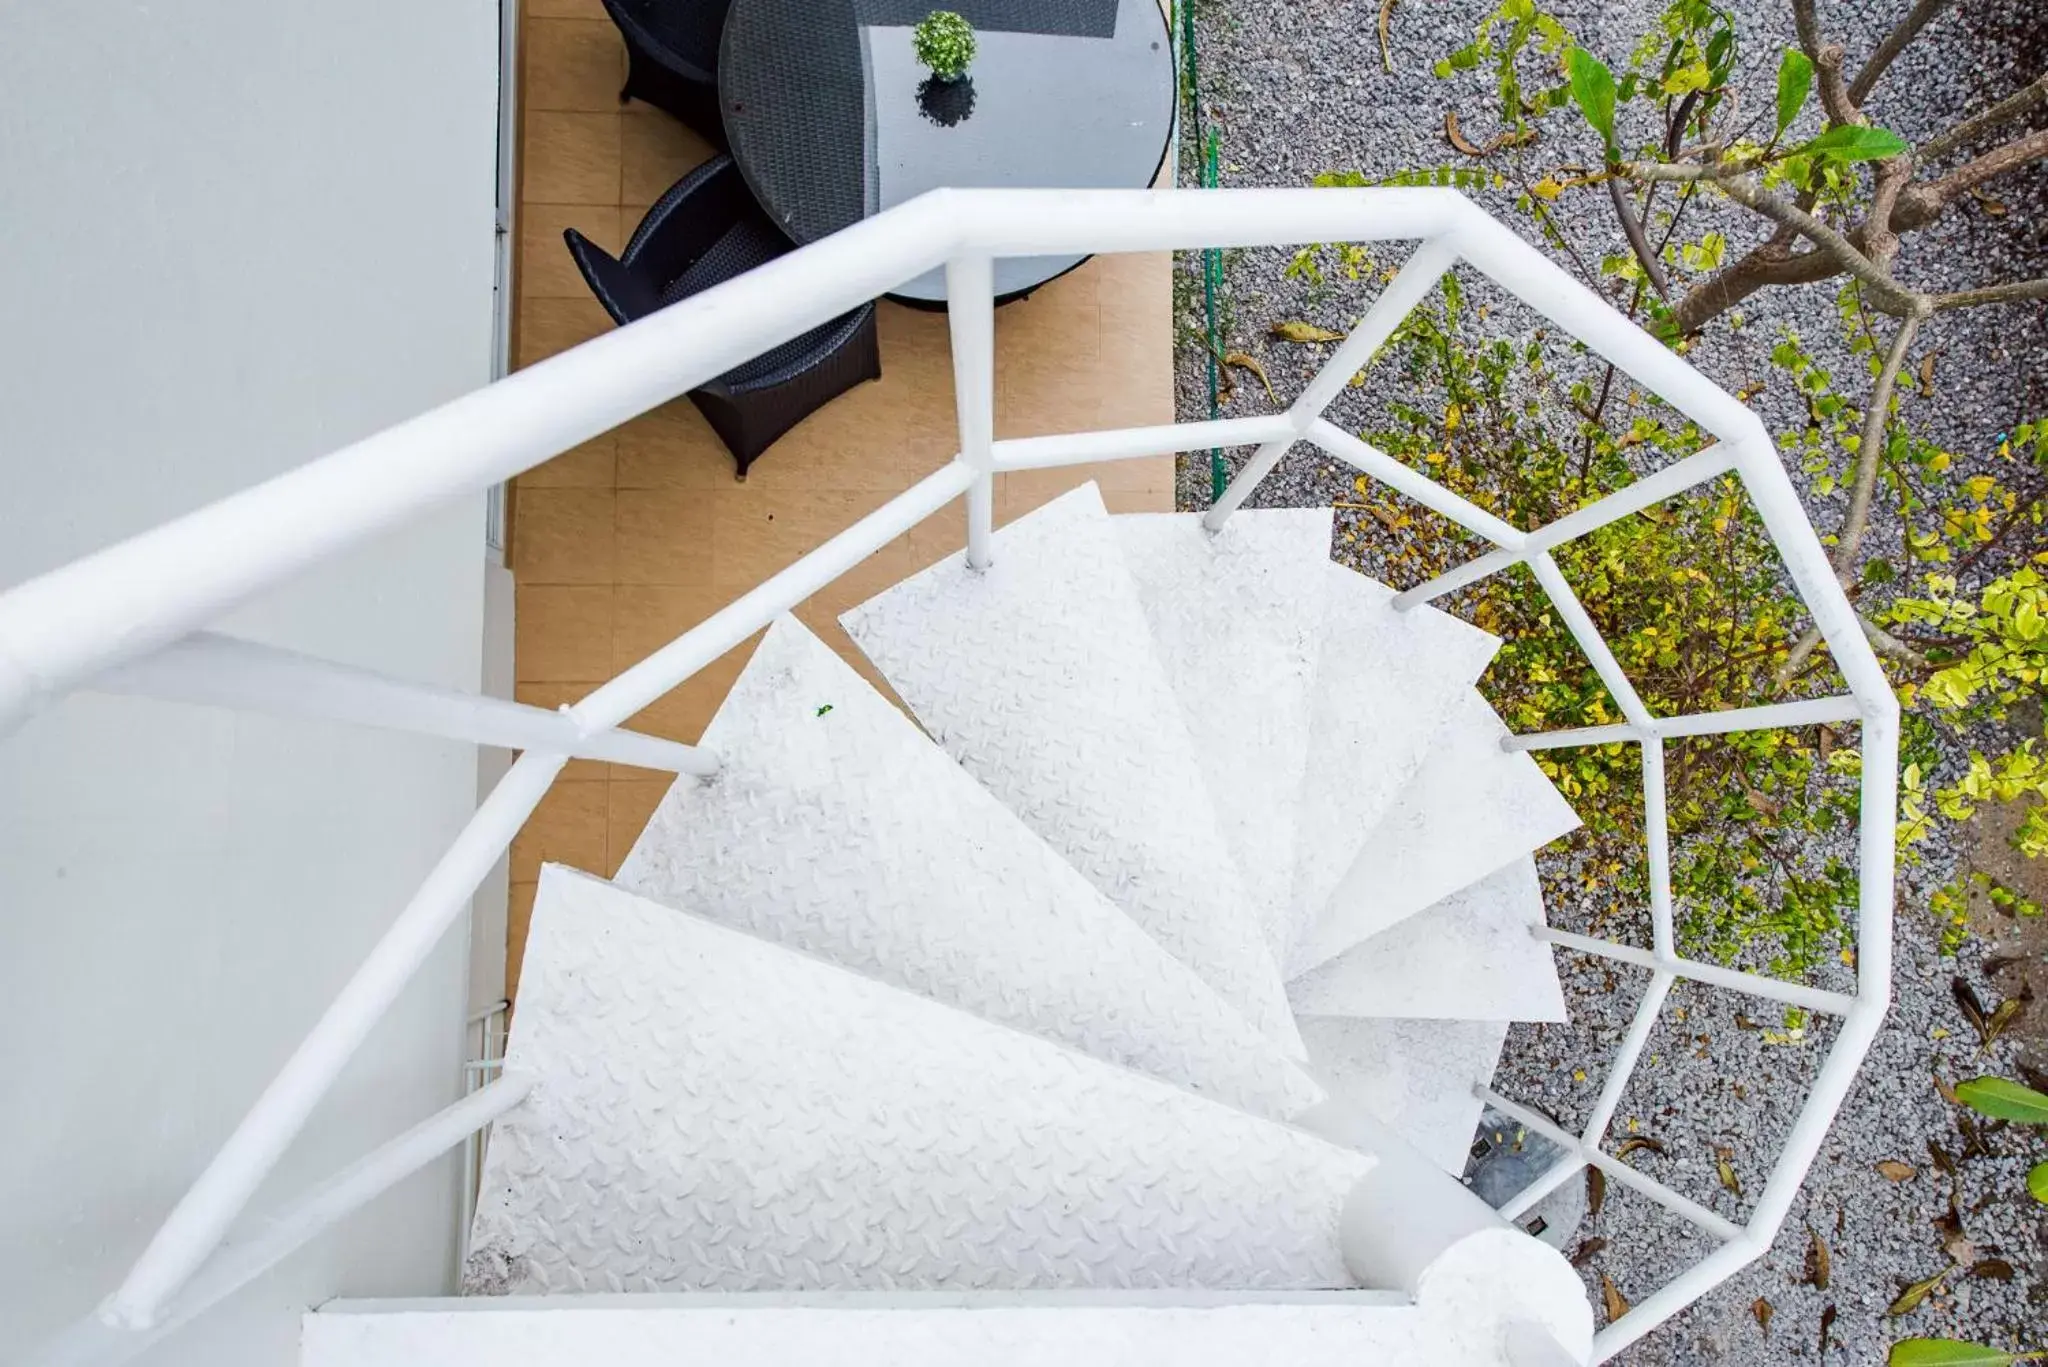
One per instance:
(1295, 87)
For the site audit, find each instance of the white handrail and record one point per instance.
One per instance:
(59, 631)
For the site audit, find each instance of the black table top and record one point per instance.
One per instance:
(832, 119)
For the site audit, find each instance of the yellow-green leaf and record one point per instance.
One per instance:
(1855, 142)
(2003, 1100)
(2037, 1182)
(1593, 91)
(1948, 1353)
(1292, 331)
(1909, 1299)
(1251, 363)
(1795, 78)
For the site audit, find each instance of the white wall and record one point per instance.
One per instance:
(233, 235)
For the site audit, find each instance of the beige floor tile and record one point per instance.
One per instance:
(632, 801)
(664, 537)
(570, 158)
(672, 448)
(565, 9)
(568, 827)
(656, 150)
(572, 64)
(593, 465)
(566, 536)
(562, 633)
(547, 326)
(758, 531)
(546, 270)
(647, 617)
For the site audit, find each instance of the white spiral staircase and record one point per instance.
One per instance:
(1004, 1010)
(1138, 1010)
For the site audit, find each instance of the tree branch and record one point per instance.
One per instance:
(2016, 292)
(1808, 27)
(2005, 111)
(1894, 42)
(1834, 92)
(1882, 641)
(1887, 294)
(1633, 228)
(1923, 202)
(1877, 415)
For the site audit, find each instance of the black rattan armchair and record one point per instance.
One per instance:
(706, 230)
(672, 58)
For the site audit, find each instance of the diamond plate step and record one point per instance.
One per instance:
(836, 828)
(1220, 1329)
(717, 1112)
(1469, 957)
(1414, 1076)
(1237, 618)
(1472, 808)
(1386, 682)
(1040, 676)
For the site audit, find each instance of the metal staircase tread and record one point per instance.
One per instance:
(1470, 809)
(1228, 1330)
(718, 1112)
(837, 828)
(1039, 675)
(1237, 617)
(1417, 1077)
(1386, 682)
(1469, 957)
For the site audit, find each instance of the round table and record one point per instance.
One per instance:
(831, 118)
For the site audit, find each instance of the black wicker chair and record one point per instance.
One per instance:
(706, 230)
(672, 58)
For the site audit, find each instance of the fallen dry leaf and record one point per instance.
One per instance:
(1939, 1157)
(1596, 1192)
(1586, 1251)
(2008, 1011)
(1727, 1172)
(1909, 1300)
(1304, 332)
(1927, 372)
(1994, 207)
(1761, 1308)
(1610, 1294)
(1641, 1141)
(1948, 1093)
(1457, 138)
(1971, 1006)
(1817, 1260)
(1992, 1270)
(1827, 1328)
(1386, 43)
(1251, 363)
(1954, 1241)
(1893, 1170)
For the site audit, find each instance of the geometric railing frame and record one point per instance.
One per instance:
(112, 618)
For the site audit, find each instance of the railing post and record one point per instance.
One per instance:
(971, 318)
(225, 671)
(198, 1222)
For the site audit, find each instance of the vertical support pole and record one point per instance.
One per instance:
(971, 318)
(1657, 838)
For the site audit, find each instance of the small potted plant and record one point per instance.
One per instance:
(945, 43)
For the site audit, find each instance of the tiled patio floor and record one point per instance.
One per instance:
(623, 544)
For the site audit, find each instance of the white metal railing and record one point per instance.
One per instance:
(133, 618)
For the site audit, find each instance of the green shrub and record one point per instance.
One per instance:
(944, 43)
